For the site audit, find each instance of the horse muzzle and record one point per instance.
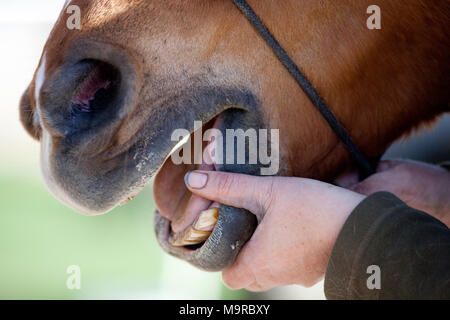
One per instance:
(84, 105)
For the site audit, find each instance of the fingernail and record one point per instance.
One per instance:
(195, 180)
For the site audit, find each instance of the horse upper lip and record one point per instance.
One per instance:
(126, 146)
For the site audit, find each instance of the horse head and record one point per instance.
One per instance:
(106, 99)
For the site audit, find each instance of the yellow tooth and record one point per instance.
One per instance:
(206, 220)
(199, 231)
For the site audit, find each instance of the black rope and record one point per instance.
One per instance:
(364, 166)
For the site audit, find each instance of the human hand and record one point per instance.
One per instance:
(422, 186)
(299, 221)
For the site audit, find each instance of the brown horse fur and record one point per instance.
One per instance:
(380, 84)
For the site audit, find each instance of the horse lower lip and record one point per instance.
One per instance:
(234, 227)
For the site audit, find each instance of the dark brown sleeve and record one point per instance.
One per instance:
(410, 247)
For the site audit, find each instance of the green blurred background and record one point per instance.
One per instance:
(117, 253)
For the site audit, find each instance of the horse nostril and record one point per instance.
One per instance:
(80, 97)
(95, 92)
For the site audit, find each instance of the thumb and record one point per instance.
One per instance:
(232, 189)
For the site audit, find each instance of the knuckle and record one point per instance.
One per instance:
(403, 172)
(225, 184)
(241, 273)
(388, 164)
(362, 188)
(308, 283)
(256, 287)
(229, 280)
(268, 196)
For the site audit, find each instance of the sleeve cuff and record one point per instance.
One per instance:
(352, 241)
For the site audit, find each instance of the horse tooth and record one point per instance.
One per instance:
(200, 230)
(188, 237)
(206, 220)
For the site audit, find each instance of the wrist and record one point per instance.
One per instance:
(328, 208)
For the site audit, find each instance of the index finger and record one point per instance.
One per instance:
(232, 189)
